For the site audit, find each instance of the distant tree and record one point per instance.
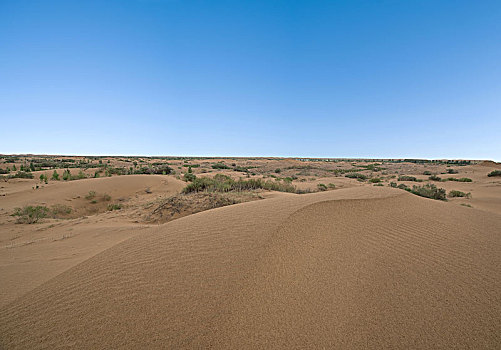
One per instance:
(55, 176)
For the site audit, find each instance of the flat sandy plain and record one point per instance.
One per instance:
(357, 266)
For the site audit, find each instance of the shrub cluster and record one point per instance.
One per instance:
(407, 178)
(356, 176)
(494, 173)
(455, 193)
(220, 166)
(30, 214)
(223, 183)
(429, 191)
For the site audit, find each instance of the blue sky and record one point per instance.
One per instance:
(352, 78)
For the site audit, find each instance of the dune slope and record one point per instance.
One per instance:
(355, 268)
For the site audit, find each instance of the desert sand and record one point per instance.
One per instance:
(357, 267)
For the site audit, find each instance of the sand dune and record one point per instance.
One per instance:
(61, 192)
(362, 267)
(31, 255)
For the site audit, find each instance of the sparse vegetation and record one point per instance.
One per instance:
(357, 176)
(189, 177)
(220, 166)
(463, 179)
(90, 195)
(116, 206)
(223, 183)
(31, 214)
(58, 210)
(494, 173)
(322, 187)
(22, 175)
(44, 178)
(407, 178)
(456, 193)
(429, 191)
(435, 178)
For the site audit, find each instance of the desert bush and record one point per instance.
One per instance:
(189, 177)
(223, 183)
(116, 206)
(106, 197)
(435, 178)
(55, 176)
(30, 214)
(494, 173)
(452, 171)
(462, 179)
(331, 186)
(427, 173)
(220, 166)
(375, 180)
(322, 187)
(404, 187)
(357, 176)
(429, 191)
(44, 178)
(90, 195)
(22, 175)
(278, 171)
(407, 178)
(60, 210)
(392, 184)
(66, 175)
(455, 193)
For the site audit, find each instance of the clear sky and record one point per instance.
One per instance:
(393, 79)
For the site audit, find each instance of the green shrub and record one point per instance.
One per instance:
(90, 195)
(106, 197)
(429, 191)
(494, 173)
(407, 178)
(356, 176)
(375, 180)
(112, 207)
(427, 173)
(435, 178)
(189, 177)
(55, 176)
(66, 175)
(30, 214)
(220, 166)
(463, 179)
(452, 171)
(60, 209)
(322, 187)
(455, 193)
(278, 171)
(404, 187)
(44, 178)
(22, 175)
(223, 183)
(331, 186)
